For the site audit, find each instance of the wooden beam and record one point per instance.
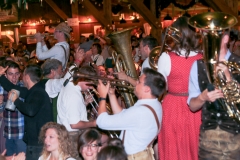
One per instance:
(107, 9)
(98, 15)
(149, 17)
(145, 13)
(75, 14)
(57, 9)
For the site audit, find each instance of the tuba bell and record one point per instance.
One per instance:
(212, 26)
(172, 35)
(123, 60)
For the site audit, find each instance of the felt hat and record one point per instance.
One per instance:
(63, 27)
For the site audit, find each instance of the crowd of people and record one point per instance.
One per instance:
(55, 118)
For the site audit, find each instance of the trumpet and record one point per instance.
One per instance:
(93, 80)
(33, 35)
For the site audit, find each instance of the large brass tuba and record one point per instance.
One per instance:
(172, 35)
(212, 25)
(123, 59)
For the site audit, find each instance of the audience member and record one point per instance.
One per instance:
(56, 142)
(115, 142)
(88, 44)
(13, 132)
(101, 71)
(37, 108)
(89, 144)
(97, 58)
(112, 153)
(2, 124)
(234, 42)
(19, 156)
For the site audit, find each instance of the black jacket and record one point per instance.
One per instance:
(36, 108)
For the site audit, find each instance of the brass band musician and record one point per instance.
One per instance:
(219, 134)
(138, 124)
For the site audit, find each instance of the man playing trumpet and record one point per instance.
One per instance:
(138, 123)
(71, 106)
(61, 49)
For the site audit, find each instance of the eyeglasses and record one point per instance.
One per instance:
(92, 146)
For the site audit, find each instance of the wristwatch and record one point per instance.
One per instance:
(99, 99)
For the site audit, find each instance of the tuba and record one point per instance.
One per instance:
(172, 35)
(212, 25)
(123, 60)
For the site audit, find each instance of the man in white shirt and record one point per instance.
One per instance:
(138, 124)
(71, 105)
(146, 45)
(61, 49)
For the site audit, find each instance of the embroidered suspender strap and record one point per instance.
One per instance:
(65, 54)
(156, 118)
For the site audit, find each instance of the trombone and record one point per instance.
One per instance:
(94, 111)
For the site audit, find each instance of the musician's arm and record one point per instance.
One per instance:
(116, 108)
(122, 75)
(197, 98)
(83, 125)
(103, 91)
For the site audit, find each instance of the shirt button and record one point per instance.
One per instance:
(220, 122)
(218, 114)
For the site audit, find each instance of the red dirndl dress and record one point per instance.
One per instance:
(179, 135)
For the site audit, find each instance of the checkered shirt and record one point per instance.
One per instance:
(14, 120)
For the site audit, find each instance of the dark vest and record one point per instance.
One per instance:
(211, 115)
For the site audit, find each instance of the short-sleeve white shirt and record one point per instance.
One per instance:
(71, 106)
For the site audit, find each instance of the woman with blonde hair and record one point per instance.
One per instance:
(56, 142)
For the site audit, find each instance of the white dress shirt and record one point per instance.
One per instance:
(56, 52)
(71, 106)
